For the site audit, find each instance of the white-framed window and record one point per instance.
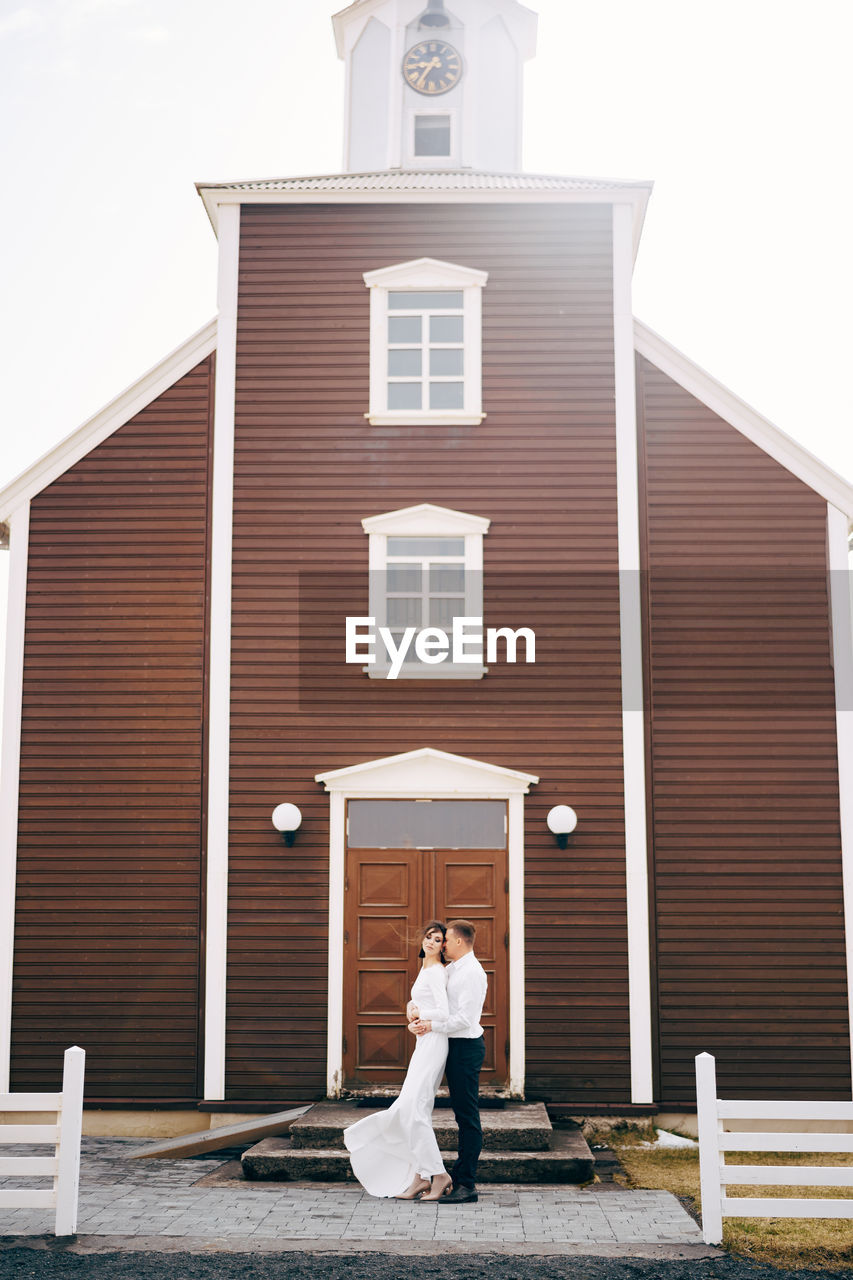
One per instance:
(432, 137)
(426, 568)
(426, 343)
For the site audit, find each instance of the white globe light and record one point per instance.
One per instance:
(562, 820)
(286, 817)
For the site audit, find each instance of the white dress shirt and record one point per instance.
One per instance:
(466, 995)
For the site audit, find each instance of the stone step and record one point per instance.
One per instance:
(568, 1161)
(519, 1127)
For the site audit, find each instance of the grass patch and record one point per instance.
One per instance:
(795, 1243)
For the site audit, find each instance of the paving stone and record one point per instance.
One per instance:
(120, 1199)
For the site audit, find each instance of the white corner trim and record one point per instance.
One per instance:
(337, 867)
(832, 487)
(425, 520)
(426, 273)
(10, 762)
(837, 527)
(118, 412)
(633, 726)
(219, 714)
(515, 928)
(426, 774)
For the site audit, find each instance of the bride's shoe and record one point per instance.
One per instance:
(441, 1184)
(415, 1190)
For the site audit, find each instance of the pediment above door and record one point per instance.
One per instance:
(427, 772)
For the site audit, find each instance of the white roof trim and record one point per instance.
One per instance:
(118, 412)
(427, 771)
(425, 273)
(775, 442)
(434, 186)
(425, 520)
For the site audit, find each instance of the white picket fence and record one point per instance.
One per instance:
(715, 1140)
(64, 1135)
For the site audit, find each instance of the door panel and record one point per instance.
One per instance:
(388, 895)
(382, 896)
(472, 885)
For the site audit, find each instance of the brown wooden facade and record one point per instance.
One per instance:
(747, 918)
(747, 865)
(109, 893)
(308, 469)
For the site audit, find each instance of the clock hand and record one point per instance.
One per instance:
(436, 62)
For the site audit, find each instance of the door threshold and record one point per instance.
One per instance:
(491, 1095)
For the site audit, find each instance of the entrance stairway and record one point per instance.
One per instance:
(519, 1145)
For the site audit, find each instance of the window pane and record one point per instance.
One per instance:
(426, 546)
(440, 300)
(442, 612)
(432, 135)
(426, 824)
(447, 395)
(445, 328)
(407, 329)
(447, 577)
(444, 364)
(403, 577)
(404, 395)
(407, 612)
(405, 364)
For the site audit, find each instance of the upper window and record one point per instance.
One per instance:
(426, 350)
(425, 343)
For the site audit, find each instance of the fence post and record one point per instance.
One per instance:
(68, 1150)
(709, 1149)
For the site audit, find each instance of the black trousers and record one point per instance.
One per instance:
(464, 1060)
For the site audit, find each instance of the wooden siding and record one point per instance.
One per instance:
(308, 469)
(747, 874)
(109, 861)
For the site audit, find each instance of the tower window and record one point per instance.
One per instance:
(432, 135)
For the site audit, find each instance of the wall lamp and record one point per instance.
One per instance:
(561, 823)
(287, 819)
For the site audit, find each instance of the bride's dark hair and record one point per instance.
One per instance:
(428, 928)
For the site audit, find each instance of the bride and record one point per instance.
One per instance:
(394, 1152)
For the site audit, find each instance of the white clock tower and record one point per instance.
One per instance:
(434, 85)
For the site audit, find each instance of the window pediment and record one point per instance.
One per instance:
(425, 273)
(426, 520)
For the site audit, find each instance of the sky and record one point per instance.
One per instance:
(740, 111)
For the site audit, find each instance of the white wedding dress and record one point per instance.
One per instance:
(387, 1149)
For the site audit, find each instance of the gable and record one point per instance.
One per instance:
(115, 415)
(796, 459)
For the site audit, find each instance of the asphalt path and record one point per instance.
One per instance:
(34, 1264)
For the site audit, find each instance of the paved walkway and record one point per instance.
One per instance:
(179, 1201)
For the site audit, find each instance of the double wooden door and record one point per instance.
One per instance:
(389, 895)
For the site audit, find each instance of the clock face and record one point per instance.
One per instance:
(432, 67)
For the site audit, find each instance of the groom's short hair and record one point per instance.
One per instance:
(465, 930)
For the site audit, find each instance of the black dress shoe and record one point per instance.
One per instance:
(459, 1195)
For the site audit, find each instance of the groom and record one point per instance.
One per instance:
(466, 994)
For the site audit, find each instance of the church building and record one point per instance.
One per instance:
(505, 610)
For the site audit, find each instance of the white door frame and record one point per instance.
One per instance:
(433, 775)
